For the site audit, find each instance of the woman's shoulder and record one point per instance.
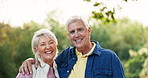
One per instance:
(33, 67)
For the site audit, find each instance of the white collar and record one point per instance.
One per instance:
(46, 66)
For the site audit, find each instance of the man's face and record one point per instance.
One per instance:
(79, 34)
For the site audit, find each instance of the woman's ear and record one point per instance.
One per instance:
(36, 53)
(36, 49)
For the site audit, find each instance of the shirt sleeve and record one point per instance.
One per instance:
(118, 71)
(21, 75)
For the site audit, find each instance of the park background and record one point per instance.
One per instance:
(114, 25)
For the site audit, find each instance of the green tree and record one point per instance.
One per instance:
(137, 60)
(144, 72)
(105, 13)
(6, 52)
(59, 31)
(15, 45)
(119, 36)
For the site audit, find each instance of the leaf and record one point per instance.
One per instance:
(97, 4)
(87, 0)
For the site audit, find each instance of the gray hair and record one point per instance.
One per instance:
(38, 34)
(74, 19)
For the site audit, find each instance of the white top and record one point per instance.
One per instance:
(42, 70)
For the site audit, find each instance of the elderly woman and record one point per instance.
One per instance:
(44, 47)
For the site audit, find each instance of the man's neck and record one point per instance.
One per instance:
(86, 49)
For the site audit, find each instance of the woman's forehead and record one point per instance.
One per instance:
(44, 38)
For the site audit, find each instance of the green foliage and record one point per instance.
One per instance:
(104, 13)
(123, 0)
(135, 64)
(119, 36)
(6, 52)
(15, 45)
(59, 31)
(144, 72)
(7, 65)
(106, 17)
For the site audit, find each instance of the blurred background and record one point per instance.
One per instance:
(119, 25)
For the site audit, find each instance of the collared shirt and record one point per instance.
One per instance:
(79, 68)
(102, 63)
(40, 72)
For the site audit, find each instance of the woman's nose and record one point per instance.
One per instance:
(47, 46)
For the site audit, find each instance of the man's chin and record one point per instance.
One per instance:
(78, 46)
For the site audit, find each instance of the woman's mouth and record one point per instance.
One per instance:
(48, 52)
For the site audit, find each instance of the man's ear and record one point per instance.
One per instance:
(89, 29)
(68, 34)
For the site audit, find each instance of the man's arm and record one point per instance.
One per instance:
(118, 71)
(20, 75)
(26, 67)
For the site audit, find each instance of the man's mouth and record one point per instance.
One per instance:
(78, 40)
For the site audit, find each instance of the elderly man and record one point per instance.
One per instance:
(86, 59)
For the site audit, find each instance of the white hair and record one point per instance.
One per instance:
(74, 19)
(37, 35)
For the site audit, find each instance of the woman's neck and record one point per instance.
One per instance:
(49, 62)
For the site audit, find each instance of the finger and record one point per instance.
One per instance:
(21, 70)
(25, 66)
(30, 67)
(36, 63)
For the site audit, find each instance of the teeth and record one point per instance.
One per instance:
(78, 40)
(48, 52)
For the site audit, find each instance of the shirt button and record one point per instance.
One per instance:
(74, 58)
(67, 71)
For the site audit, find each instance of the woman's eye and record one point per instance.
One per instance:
(42, 44)
(51, 42)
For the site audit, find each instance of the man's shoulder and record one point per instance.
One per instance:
(67, 50)
(108, 53)
(65, 53)
(105, 52)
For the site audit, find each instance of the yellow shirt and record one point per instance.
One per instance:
(79, 68)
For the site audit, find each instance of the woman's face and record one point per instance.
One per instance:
(46, 49)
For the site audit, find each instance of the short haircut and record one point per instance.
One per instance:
(74, 19)
(38, 34)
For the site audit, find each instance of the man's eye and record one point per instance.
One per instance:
(80, 29)
(71, 32)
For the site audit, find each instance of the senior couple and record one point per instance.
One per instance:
(85, 60)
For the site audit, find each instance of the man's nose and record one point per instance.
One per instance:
(77, 34)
